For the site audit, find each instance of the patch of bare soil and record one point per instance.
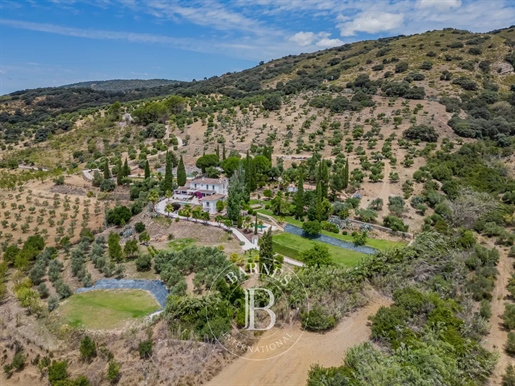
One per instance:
(498, 336)
(292, 367)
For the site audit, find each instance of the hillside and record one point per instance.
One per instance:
(121, 84)
(378, 172)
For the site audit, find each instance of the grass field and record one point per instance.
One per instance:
(292, 246)
(374, 243)
(103, 310)
(180, 244)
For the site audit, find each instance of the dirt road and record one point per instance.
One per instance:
(292, 367)
(498, 336)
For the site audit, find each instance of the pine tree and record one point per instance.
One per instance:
(107, 173)
(147, 170)
(266, 254)
(168, 180)
(181, 173)
(126, 169)
(299, 196)
(119, 174)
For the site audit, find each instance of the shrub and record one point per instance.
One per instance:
(485, 309)
(510, 344)
(113, 371)
(424, 133)
(139, 227)
(118, 215)
(144, 263)
(318, 319)
(87, 349)
(401, 67)
(57, 371)
(509, 316)
(395, 224)
(508, 379)
(145, 348)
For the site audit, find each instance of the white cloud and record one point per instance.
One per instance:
(371, 22)
(303, 39)
(320, 39)
(325, 42)
(439, 4)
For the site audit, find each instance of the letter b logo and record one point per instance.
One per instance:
(250, 309)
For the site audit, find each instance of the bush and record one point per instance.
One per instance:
(395, 224)
(509, 316)
(139, 227)
(118, 215)
(107, 185)
(510, 344)
(145, 348)
(113, 371)
(87, 349)
(485, 309)
(424, 133)
(318, 319)
(144, 263)
(508, 379)
(57, 371)
(272, 102)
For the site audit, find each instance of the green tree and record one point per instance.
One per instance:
(323, 179)
(153, 197)
(181, 173)
(131, 248)
(107, 173)
(312, 228)
(126, 169)
(207, 161)
(299, 199)
(114, 248)
(236, 194)
(119, 173)
(57, 371)
(147, 170)
(168, 180)
(317, 256)
(266, 254)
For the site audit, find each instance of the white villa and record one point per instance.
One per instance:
(208, 191)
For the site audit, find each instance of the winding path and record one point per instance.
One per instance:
(247, 245)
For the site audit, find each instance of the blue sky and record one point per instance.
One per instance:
(55, 42)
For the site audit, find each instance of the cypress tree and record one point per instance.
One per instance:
(223, 152)
(126, 169)
(181, 173)
(218, 151)
(119, 174)
(346, 174)
(318, 204)
(168, 180)
(323, 178)
(107, 174)
(299, 196)
(266, 254)
(147, 170)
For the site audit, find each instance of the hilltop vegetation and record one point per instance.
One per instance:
(374, 143)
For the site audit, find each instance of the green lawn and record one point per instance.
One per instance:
(292, 246)
(103, 310)
(374, 243)
(180, 244)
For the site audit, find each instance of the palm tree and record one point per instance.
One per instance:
(168, 208)
(186, 211)
(153, 197)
